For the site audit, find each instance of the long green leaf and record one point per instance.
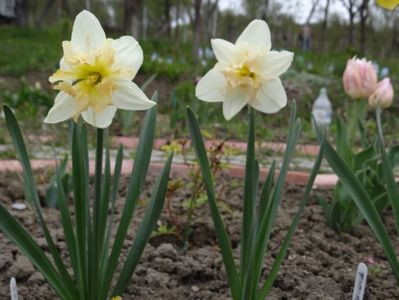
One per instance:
(81, 198)
(393, 155)
(84, 146)
(136, 183)
(392, 187)
(264, 231)
(31, 193)
(293, 135)
(52, 190)
(67, 225)
(29, 247)
(102, 222)
(224, 242)
(248, 215)
(148, 81)
(284, 247)
(145, 229)
(266, 191)
(115, 189)
(248, 286)
(105, 199)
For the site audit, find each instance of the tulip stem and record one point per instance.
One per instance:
(357, 115)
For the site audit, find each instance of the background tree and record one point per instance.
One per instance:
(197, 27)
(323, 33)
(364, 14)
(131, 20)
(64, 6)
(256, 9)
(352, 6)
(22, 12)
(315, 3)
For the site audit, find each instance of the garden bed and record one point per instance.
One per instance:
(320, 263)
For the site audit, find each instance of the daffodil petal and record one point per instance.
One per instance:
(64, 65)
(236, 99)
(128, 95)
(87, 33)
(256, 35)
(271, 97)
(276, 63)
(99, 119)
(224, 51)
(128, 54)
(63, 109)
(211, 87)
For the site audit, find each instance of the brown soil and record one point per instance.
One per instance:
(320, 263)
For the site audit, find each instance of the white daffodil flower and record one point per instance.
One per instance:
(247, 72)
(95, 75)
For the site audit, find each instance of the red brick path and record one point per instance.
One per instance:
(294, 177)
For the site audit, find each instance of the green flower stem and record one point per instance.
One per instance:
(357, 114)
(80, 199)
(96, 214)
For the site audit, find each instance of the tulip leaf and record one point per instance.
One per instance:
(392, 187)
(363, 202)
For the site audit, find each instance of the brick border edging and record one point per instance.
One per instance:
(238, 171)
(132, 142)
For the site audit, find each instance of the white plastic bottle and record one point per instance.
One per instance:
(322, 110)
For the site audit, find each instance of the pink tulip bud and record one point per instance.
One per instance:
(383, 94)
(360, 78)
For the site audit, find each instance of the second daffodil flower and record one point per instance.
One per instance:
(247, 72)
(95, 75)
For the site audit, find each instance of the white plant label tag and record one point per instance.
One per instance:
(13, 289)
(18, 206)
(360, 282)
